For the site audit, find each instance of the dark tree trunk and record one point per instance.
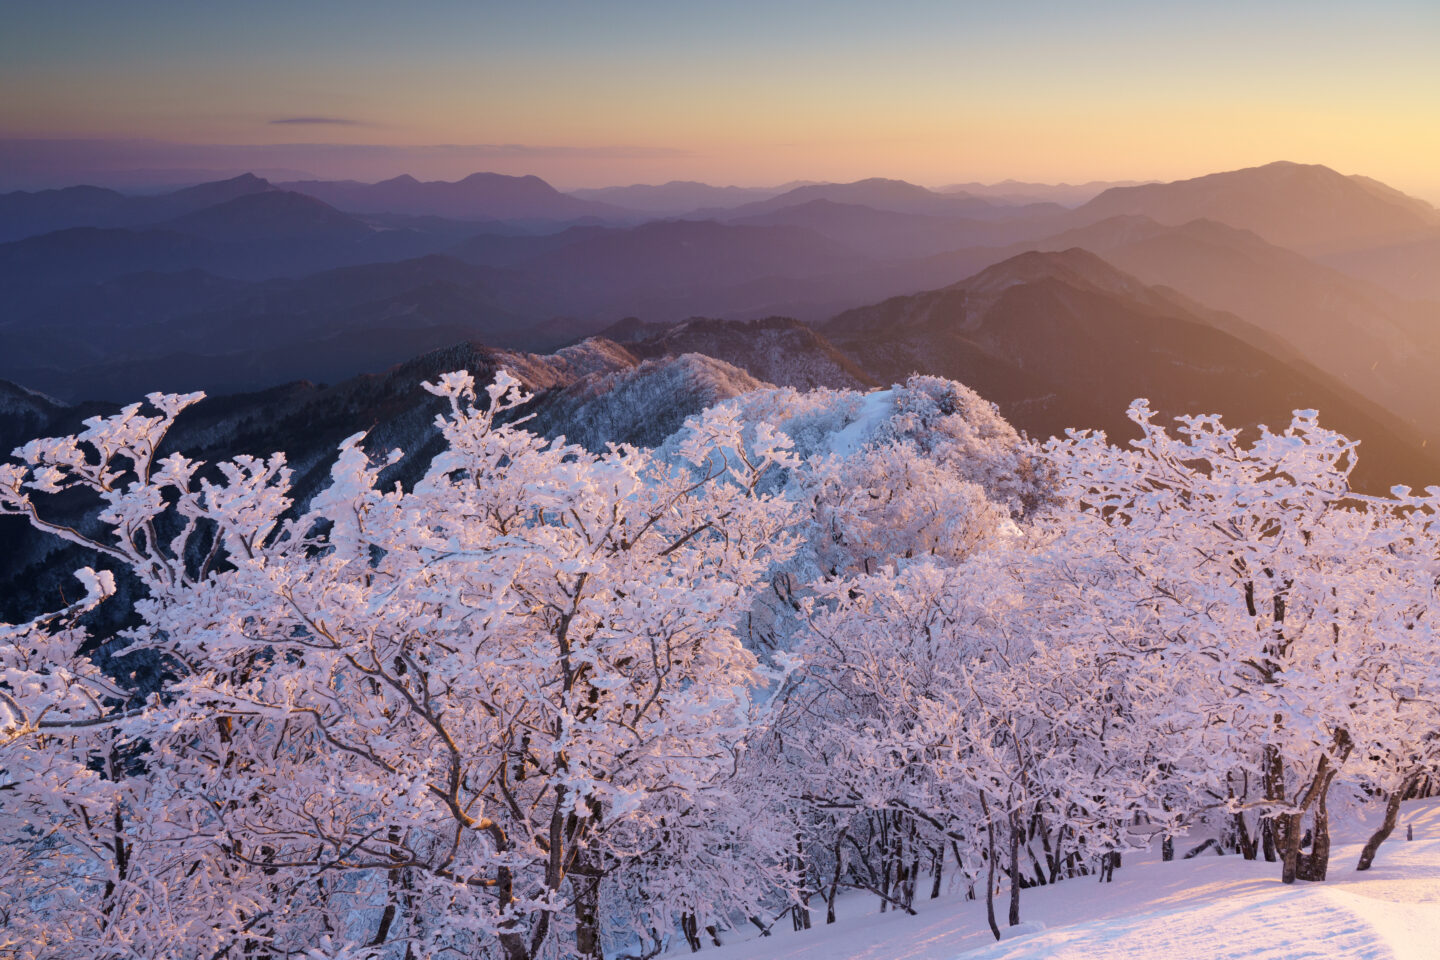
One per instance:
(835, 877)
(990, 870)
(690, 927)
(1387, 827)
(1249, 845)
(586, 883)
(1289, 836)
(1167, 848)
(1315, 864)
(1014, 869)
(937, 859)
(1267, 838)
(801, 911)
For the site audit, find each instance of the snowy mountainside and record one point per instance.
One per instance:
(940, 420)
(640, 404)
(778, 350)
(594, 391)
(23, 413)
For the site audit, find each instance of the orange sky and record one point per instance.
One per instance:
(591, 94)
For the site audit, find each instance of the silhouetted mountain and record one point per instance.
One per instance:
(31, 214)
(1306, 207)
(676, 197)
(1064, 339)
(880, 194)
(684, 256)
(1383, 346)
(1020, 192)
(202, 195)
(25, 214)
(95, 254)
(891, 235)
(276, 215)
(778, 350)
(486, 196)
(1407, 269)
(254, 236)
(326, 326)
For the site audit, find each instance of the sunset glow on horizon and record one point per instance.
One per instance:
(591, 94)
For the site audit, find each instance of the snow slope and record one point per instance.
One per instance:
(1209, 908)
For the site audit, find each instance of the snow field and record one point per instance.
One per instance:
(1209, 908)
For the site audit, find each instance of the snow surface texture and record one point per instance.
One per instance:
(1209, 908)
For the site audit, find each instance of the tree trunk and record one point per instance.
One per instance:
(835, 877)
(1267, 838)
(1315, 865)
(801, 911)
(937, 859)
(1272, 828)
(513, 943)
(690, 927)
(1014, 869)
(990, 870)
(1249, 845)
(1392, 817)
(1289, 835)
(586, 882)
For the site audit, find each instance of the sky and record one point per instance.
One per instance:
(597, 93)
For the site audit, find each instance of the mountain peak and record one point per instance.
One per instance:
(1307, 207)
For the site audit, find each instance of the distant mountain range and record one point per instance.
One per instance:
(1306, 207)
(1018, 191)
(895, 196)
(1064, 339)
(480, 196)
(1242, 291)
(676, 197)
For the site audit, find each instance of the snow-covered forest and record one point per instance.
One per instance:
(548, 702)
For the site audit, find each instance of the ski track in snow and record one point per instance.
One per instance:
(1210, 908)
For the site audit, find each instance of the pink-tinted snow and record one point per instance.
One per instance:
(1209, 908)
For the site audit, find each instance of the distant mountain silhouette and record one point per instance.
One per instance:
(326, 326)
(1020, 192)
(31, 214)
(1381, 345)
(95, 254)
(685, 255)
(482, 196)
(892, 235)
(1305, 207)
(896, 196)
(1410, 269)
(24, 214)
(253, 236)
(1064, 339)
(203, 195)
(676, 197)
(280, 215)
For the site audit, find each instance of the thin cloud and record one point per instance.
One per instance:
(330, 121)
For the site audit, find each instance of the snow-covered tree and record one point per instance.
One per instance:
(461, 707)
